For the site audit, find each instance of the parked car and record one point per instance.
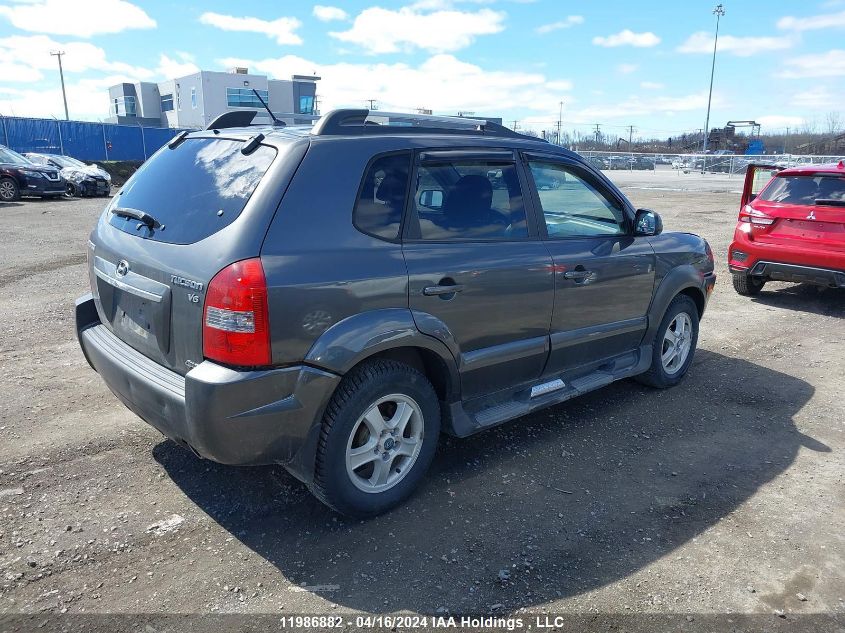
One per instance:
(255, 315)
(80, 179)
(21, 177)
(791, 227)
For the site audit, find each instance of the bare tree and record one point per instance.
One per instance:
(833, 120)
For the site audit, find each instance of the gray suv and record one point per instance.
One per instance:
(332, 298)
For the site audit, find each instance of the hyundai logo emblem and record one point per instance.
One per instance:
(122, 268)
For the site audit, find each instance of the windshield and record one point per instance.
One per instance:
(804, 189)
(194, 190)
(13, 158)
(67, 161)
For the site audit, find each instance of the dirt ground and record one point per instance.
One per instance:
(723, 495)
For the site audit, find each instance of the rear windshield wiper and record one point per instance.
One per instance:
(135, 214)
(830, 202)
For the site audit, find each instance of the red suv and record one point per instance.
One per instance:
(791, 227)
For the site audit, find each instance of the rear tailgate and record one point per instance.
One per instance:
(208, 205)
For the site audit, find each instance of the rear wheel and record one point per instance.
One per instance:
(747, 285)
(9, 191)
(378, 438)
(674, 344)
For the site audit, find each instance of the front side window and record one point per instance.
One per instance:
(574, 204)
(468, 199)
(805, 190)
(381, 202)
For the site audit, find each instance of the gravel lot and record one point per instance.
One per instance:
(724, 494)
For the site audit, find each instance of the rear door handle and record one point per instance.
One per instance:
(433, 291)
(578, 275)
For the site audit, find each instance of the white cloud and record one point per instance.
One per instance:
(33, 52)
(283, 30)
(628, 38)
(779, 121)
(86, 99)
(702, 42)
(651, 85)
(636, 106)
(627, 69)
(825, 21)
(570, 20)
(829, 64)
(61, 17)
(816, 98)
(442, 83)
(381, 31)
(327, 14)
(170, 68)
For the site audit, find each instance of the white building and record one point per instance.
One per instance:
(195, 100)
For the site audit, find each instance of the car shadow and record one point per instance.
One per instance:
(552, 505)
(805, 298)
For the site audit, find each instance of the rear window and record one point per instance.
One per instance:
(805, 189)
(192, 191)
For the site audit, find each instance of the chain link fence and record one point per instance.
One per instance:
(729, 164)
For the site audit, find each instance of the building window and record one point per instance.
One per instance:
(245, 98)
(193, 98)
(306, 105)
(124, 106)
(167, 102)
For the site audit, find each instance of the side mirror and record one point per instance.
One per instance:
(431, 198)
(647, 222)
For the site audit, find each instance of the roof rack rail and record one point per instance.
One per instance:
(351, 122)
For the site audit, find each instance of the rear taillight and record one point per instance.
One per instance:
(752, 215)
(236, 329)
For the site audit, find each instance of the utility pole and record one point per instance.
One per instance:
(598, 133)
(719, 11)
(372, 103)
(631, 130)
(559, 122)
(515, 124)
(62, 77)
(786, 141)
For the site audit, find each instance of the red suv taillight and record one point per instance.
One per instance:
(752, 215)
(235, 324)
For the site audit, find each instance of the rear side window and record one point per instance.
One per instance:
(193, 191)
(468, 200)
(381, 201)
(805, 190)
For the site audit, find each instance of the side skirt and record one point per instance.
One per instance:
(466, 418)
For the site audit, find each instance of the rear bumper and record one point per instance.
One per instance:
(233, 417)
(744, 254)
(779, 271)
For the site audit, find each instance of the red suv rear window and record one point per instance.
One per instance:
(804, 189)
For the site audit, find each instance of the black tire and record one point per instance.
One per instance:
(746, 285)
(657, 376)
(357, 392)
(9, 190)
(70, 190)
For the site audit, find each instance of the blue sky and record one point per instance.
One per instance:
(611, 62)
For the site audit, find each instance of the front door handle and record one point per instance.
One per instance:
(434, 291)
(578, 275)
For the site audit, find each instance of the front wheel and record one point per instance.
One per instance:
(378, 438)
(674, 344)
(9, 191)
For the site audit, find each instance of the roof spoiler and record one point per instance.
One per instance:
(235, 118)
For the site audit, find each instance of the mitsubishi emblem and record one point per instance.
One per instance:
(812, 215)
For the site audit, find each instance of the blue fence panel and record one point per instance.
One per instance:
(83, 140)
(123, 142)
(92, 142)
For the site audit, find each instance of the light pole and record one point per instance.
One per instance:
(62, 76)
(719, 11)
